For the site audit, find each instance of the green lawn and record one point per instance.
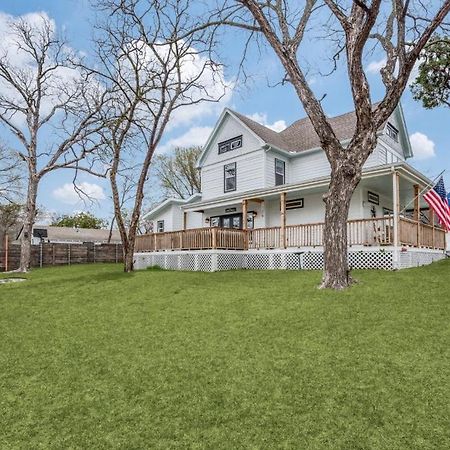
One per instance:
(91, 357)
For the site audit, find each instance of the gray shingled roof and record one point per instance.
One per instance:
(301, 136)
(68, 234)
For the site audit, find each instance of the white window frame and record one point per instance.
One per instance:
(230, 144)
(392, 132)
(277, 160)
(225, 177)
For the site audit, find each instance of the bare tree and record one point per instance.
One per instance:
(47, 106)
(178, 172)
(151, 76)
(10, 176)
(126, 187)
(400, 28)
(10, 219)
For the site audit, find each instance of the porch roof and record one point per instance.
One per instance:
(403, 168)
(170, 202)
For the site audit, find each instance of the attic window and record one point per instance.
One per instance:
(392, 132)
(230, 144)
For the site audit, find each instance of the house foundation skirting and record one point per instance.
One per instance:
(386, 258)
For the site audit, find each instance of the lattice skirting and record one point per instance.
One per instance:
(212, 261)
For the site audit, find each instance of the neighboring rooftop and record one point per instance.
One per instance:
(67, 234)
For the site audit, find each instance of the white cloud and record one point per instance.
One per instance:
(422, 145)
(193, 137)
(415, 71)
(68, 194)
(376, 66)
(205, 90)
(278, 125)
(21, 61)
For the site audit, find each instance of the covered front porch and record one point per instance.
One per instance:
(387, 209)
(377, 231)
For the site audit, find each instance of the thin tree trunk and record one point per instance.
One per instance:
(128, 255)
(111, 229)
(337, 204)
(27, 231)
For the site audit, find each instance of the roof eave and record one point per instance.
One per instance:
(168, 202)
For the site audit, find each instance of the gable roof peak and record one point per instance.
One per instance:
(301, 135)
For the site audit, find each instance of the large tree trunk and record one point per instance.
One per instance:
(337, 204)
(128, 249)
(128, 237)
(27, 231)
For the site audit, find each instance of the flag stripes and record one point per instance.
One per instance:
(437, 199)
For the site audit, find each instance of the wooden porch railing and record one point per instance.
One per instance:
(194, 239)
(376, 231)
(417, 234)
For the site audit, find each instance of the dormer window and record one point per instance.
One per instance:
(230, 144)
(392, 132)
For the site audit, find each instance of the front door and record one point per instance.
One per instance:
(231, 221)
(228, 221)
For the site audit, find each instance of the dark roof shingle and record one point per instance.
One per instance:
(301, 136)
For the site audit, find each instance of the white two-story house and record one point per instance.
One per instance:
(262, 193)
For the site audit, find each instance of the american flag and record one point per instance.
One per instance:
(437, 199)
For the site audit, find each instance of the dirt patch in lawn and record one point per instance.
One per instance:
(11, 280)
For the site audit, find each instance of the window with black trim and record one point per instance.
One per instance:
(295, 203)
(392, 132)
(280, 172)
(229, 175)
(230, 144)
(160, 226)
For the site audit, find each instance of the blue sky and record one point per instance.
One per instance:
(270, 105)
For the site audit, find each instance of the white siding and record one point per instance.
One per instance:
(383, 154)
(255, 167)
(270, 168)
(249, 175)
(309, 166)
(249, 161)
(177, 218)
(312, 212)
(167, 215)
(229, 129)
(385, 202)
(394, 147)
(194, 220)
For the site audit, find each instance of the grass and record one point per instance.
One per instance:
(91, 357)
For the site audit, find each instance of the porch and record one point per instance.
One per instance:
(387, 209)
(373, 232)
